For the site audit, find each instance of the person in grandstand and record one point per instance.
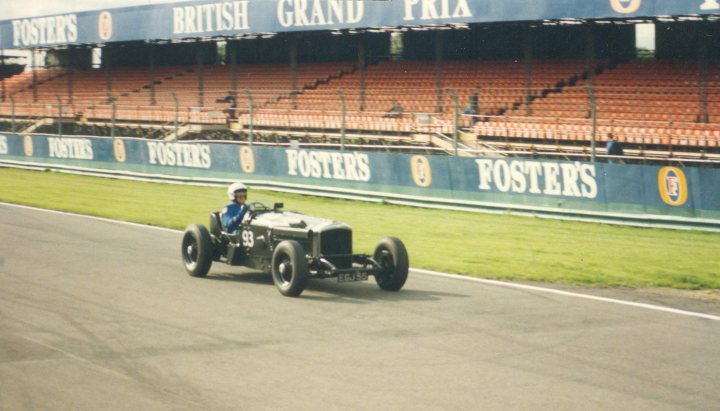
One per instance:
(236, 211)
(395, 111)
(231, 111)
(614, 148)
(473, 109)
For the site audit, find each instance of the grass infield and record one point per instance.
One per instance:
(484, 245)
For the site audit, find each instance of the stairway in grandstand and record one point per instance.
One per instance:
(499, 86)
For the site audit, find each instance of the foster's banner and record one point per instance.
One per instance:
(502, 183)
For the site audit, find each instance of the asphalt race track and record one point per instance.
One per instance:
(101, 315)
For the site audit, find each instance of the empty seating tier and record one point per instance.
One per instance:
(644, 102)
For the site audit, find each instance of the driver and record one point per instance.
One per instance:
(234, 213)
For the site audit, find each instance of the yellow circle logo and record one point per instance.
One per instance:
(247, 159)
(625, 6)
(119, 150)
(28, 146)
(673, 186)
(105, 26)
(421, 171)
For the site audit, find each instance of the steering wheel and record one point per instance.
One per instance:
(257, 206)
(248, 216)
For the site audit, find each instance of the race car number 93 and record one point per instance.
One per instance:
(248, 240)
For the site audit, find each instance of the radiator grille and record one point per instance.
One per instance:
(336, 246)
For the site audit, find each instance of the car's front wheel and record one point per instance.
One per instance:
(391, 255)
(289, 268)
(197, 250)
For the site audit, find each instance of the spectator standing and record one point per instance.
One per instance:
(614, 148)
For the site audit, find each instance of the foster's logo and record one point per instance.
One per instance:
(673, 186)
(105, 26)
(247, 159)
(421, 171)
(119, 150)
(625, 6)
(710, 5)
(28, 146)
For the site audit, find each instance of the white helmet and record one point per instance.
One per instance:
(234, 188)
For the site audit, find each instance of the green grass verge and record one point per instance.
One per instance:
(484, 245)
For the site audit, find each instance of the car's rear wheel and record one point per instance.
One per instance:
(197, 250)
(391, 254)
(289, 268)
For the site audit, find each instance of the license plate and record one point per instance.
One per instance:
(350, 277)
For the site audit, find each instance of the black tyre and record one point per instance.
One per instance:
(289, 268)
(392, 256)
(197, 250)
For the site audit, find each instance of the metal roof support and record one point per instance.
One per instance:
(108, 72)
(590, 82)
(293, 70)
(232, 48)
(590, 60)
(201, 73)
(527, 60)
(2, 84)
(151, 63)
(70, 63)
(33, 58)
(705, 34)
(439, 46)
(362, 63)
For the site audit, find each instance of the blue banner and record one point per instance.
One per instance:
(512, 183)
(240, 17)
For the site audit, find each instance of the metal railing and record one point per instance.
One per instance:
(667, 120)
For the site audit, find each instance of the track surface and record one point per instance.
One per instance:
(100, 315)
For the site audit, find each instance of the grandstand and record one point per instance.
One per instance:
(539, 87)
(641, 102)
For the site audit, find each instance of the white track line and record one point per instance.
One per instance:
(442, 275)
(91, 217)
(568, 294)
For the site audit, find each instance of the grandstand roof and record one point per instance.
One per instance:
(197, 19)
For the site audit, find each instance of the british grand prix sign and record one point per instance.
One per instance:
(239, 17)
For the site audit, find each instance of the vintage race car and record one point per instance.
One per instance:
(293, 247)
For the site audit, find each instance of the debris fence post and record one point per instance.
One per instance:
(60, 113)
(12, 113)
(251, 110)
(341, 93)
(593, 117)
(456, 114)
(111, 99)
(177, 112)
